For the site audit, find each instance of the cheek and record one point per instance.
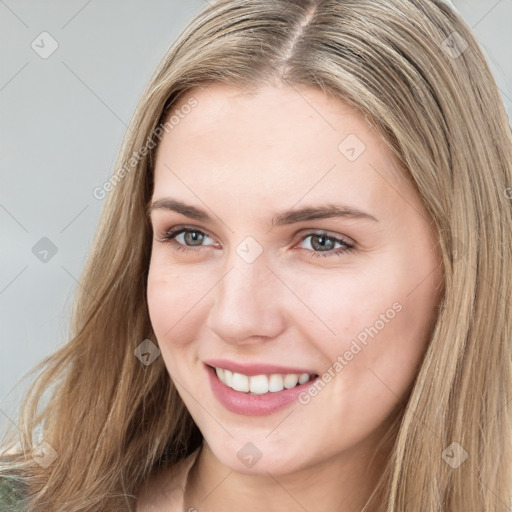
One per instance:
(379, 320)
(173, 296)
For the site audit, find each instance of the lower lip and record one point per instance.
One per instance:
(254, 405)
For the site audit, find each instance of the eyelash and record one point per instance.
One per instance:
(170, 235)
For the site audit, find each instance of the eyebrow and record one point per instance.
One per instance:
(279, 219)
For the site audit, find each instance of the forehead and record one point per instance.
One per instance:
(271, 112)
(280, 144)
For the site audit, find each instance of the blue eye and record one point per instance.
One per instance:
(191, 239)
(326, 245)
(194, 237)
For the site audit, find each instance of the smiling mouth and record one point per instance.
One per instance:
(261, 384)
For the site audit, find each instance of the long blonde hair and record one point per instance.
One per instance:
(414, 69)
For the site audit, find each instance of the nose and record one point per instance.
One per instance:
(249, 303)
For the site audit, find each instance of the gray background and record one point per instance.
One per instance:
(62, 121)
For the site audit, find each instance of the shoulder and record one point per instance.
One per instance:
(12, 487)
(165, 489)
(11, 494)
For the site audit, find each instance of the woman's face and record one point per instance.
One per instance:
(307, 254)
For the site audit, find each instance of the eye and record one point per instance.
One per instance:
(185, 238)
(322, 245)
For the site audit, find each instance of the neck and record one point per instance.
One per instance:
(343, 483)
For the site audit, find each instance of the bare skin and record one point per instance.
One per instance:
(303, 300)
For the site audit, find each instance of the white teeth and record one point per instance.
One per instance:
(240, 382)
(228, 378)
(290, 380)
(260, 384)
(303, 378)
(275, 383)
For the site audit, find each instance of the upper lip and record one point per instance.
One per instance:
(256, 368)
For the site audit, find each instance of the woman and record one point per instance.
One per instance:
(298, 297)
